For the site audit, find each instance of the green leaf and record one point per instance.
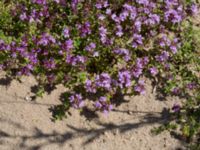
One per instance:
(82, 76)
(40, 91)
(186, 130)
(77, 43)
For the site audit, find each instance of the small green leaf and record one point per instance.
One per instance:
(186, 130)
(82, 76)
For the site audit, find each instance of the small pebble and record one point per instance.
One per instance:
(130, 112)
(27, 98)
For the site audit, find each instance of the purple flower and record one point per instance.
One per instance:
(96, 54)
(90, 47)
(33, 58)
(143, 2)
(66, 32)
(123, 52)
(174, 46)
(26, 70)
(40, 2)
(164, 41)
(74, 60)
(192, 9)
(145, 60)
(153, 19)
(171, 3)
(119, 32)
(115, 18)
(128, 7)
(141, 62)
(138, 68)
(43, 41)
(124, 78)
(2, 45)
(76, 101)
(108, 11)
(153, 71)
(176, 107)
(103, 31)
(103, 80)
(74, 4)
(98, 6)
(163, 56)
(191, 85)
(103, 34)
(133, 14)
(50, 64)
(167, 67)
(137, 72)
(90, 86)
(123, 15)
(46, 39)
(101, 17)
(57, 1)
(1, 67)
(137, 26)
(173, 16)
(68, 45)
(23, 16)
(140, 87)
(105, 4)
(103, 105)
(137, 40)
(85, 29)
(176, 90)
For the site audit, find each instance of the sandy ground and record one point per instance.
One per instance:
(27, 125)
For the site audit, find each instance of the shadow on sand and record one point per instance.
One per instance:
(89, 135)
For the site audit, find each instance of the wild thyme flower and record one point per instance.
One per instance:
(103, 80)
(103, 105)
(114, 42)
(153, 71)
(140, 87)
(124, 78)
(76, 101)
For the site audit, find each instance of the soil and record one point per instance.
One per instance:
(27, 124)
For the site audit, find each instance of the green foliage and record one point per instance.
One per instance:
(194, 146)
(167, 126)
(59, 111)
(5, 17)
(186, 70)
(39, 47)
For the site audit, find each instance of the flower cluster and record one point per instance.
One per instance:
(103, 104)
(76, 100)
(114, 43)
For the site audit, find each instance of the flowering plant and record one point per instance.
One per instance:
(98, 47)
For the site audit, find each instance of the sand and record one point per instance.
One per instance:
(27, 124)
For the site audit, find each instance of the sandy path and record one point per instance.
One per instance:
(26, 125)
